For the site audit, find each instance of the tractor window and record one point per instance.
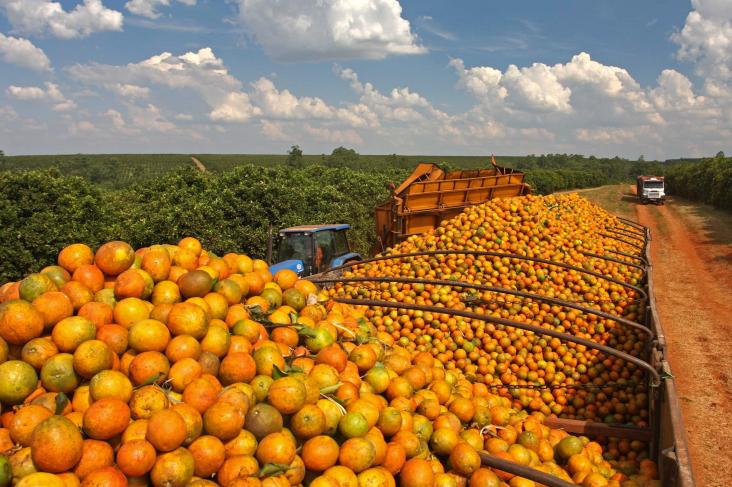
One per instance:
(326, 242)
(341, 243)
(295, 246)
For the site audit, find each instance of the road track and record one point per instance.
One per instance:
(692, 266)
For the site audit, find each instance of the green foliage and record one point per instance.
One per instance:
(43, 211)
(708, 181)
(294, 157)
(160, 199)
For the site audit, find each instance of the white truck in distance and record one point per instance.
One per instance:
(651, 189)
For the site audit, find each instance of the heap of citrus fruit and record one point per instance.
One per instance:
(171, 367)
(537, 372)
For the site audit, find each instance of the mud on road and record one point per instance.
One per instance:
(691, 253)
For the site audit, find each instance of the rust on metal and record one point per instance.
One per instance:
(522, 471)
(588, 428)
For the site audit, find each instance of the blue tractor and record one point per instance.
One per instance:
(312, 249)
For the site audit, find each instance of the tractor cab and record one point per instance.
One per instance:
(312, 249)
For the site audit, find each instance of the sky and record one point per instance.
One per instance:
(437, 77)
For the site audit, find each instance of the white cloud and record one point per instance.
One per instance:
(127, 90)
(149, 8)
(400, 105)
(675, 92)
(201, 72)
(44, 16)
(273, 130)
(706, 39)
(51, 94)
(235, 107)
(22, 52)
(480, 81)
(316, 30)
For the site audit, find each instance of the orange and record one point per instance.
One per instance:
(146, 400)
(285, 278)
(223, 420)
(74, 256)
(287, 395)
(135, 458)
(115, 257)
(191, 244)
(56, 445)
(37, 351)
(25, 421)
(188, 319)
(98, 313)
(201, 394)
(106, 418)
(130, 310)
(306, 287)
(54, 306)
(148, 335)
(166, 430)
(95, 455)
(173, 468)
(358, 454)
(20, 322)
(90, 276)
(58, 374)
(149, 367)
(115, 336)
(78, 293)
(71, 332)
(308, 422)
(193, 420)
(237, 367)
(110, 384)
(276, 448)
(157, 263)
(208, 455)
(183, 346)
(320, 453)
(92, 357)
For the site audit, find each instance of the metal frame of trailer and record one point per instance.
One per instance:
(666, 435)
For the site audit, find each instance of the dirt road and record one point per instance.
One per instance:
(691, 252)
(199, 165)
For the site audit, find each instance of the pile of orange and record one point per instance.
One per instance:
(537, 373)
(169, 366)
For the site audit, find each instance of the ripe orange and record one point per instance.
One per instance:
(106, 418)
(90, 276)
(320, 453)
(20, 322)
(208, 455)
(56, 445)
(98, 313)
(223, 420)
(54, 306)
(188, 319)
(357, 454)
(173, 468)
(95, 455)
(74, 256)
(166, 430)
(135, 458)
(113, 258)
(17, 381)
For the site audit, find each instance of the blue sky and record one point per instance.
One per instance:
(381, 76)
